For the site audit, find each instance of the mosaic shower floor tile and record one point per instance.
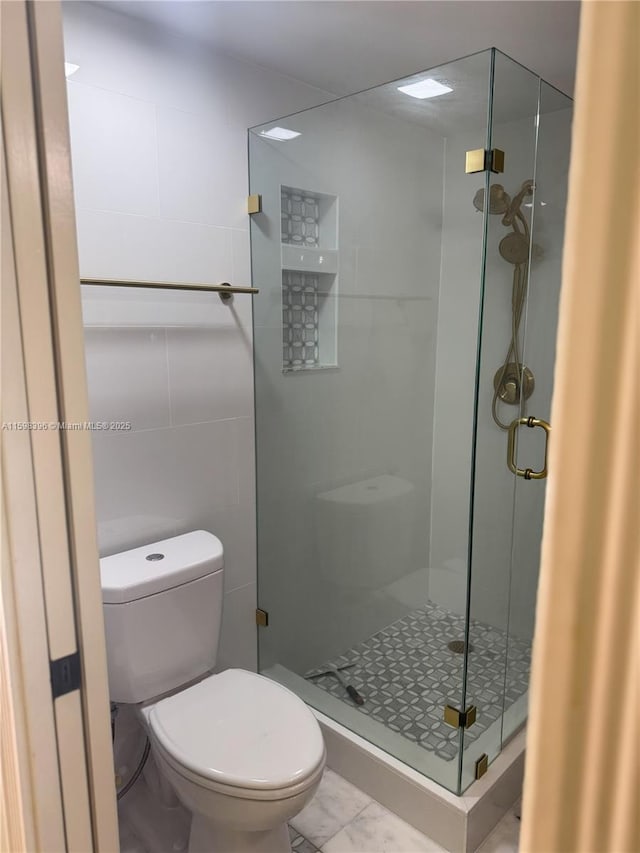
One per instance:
(407, 673)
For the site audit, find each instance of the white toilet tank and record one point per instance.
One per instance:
(162, 612)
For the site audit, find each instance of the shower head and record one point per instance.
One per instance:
(499, 199)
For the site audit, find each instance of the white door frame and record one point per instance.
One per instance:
(58, 783)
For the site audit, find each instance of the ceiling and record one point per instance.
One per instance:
(344, 46)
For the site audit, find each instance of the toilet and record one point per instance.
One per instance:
(241, 752)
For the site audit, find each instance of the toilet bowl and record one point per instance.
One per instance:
(242, 753)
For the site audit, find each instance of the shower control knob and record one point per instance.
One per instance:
(510, 393)
(511, 381)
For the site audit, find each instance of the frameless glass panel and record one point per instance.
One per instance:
(547, 207)
(501, 376)
(368, 256)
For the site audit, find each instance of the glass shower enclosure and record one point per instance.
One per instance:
(408, 249)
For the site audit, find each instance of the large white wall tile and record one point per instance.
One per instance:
(210, 370)
(238, 642)
(201, 162)
(127, 376)
(241, 250)
(235, 527)
(115, 166)
(131, 475)
(172, 477)
(195, 253)
(245, 435)
(122, 54)
(118, 246)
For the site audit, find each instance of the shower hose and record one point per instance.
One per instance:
(518, 299)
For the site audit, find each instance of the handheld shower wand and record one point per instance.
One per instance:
(513, 380)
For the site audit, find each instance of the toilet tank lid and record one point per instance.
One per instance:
(159, 566)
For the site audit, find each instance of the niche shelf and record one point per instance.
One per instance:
(309, 260)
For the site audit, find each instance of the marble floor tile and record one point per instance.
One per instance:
(376, 830)
(303, 845)
(335, 804)
(504, 838)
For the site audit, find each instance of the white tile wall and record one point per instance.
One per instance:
(113, 244)
(237, 645)
(159, 147)
(115, 160)
(205, 379)
(131, 389)
(214, 193)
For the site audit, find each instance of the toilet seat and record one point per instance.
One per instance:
(242, 792)
(240, 734)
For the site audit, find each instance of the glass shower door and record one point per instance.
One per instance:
(406, 317)
(368, 256)
(531, 124)
(539, 351)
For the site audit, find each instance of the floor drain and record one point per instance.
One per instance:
(458, 646)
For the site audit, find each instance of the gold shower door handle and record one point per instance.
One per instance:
(527, 473)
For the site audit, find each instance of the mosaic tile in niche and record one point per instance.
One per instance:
(300, 217)
(299, 320)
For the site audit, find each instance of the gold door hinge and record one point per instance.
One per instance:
(480, 160)
(482, 765)
(254, 204)
(262, 618)
(496, 160)
(459, 719)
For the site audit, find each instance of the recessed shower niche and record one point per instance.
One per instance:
(309, 279)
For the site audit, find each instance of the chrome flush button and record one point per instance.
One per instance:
(154, 557)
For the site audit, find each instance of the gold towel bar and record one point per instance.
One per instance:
(225, 289)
